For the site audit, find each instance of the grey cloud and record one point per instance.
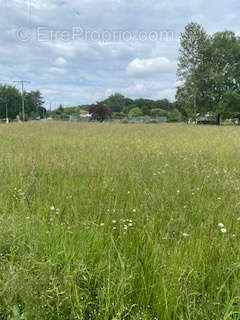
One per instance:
(76, 72)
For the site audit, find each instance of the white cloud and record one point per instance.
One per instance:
(141, 68)
(56, 70)
(60, 61)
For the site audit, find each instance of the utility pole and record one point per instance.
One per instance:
(23, 107)
(7, 121)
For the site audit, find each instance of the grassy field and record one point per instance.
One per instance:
(113, 222)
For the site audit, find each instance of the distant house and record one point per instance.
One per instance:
(82, 116)
(84, 113)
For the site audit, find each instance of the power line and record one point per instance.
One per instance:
(23, 107)
(29, 11)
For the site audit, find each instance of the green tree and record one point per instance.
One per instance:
(135, 112)
(116, 102)
(159, 112)
(129, 105)
(230, 105)
(10, 101)
(191, 64)
(174, 116)
(59, 110)
(34, 104)
(223, 68)
(145, 105)
(163, 104)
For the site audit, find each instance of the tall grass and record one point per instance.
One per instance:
(107, 221)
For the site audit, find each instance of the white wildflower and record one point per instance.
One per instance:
(52, 208)
(221, 225)
(224, 230)
(134, 210)
(185, 234)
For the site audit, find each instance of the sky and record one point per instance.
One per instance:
(81, 51)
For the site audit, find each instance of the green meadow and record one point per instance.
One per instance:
(119, 221)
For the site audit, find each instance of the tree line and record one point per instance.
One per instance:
(118, 106)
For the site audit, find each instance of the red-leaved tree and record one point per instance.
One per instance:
(99, 112)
